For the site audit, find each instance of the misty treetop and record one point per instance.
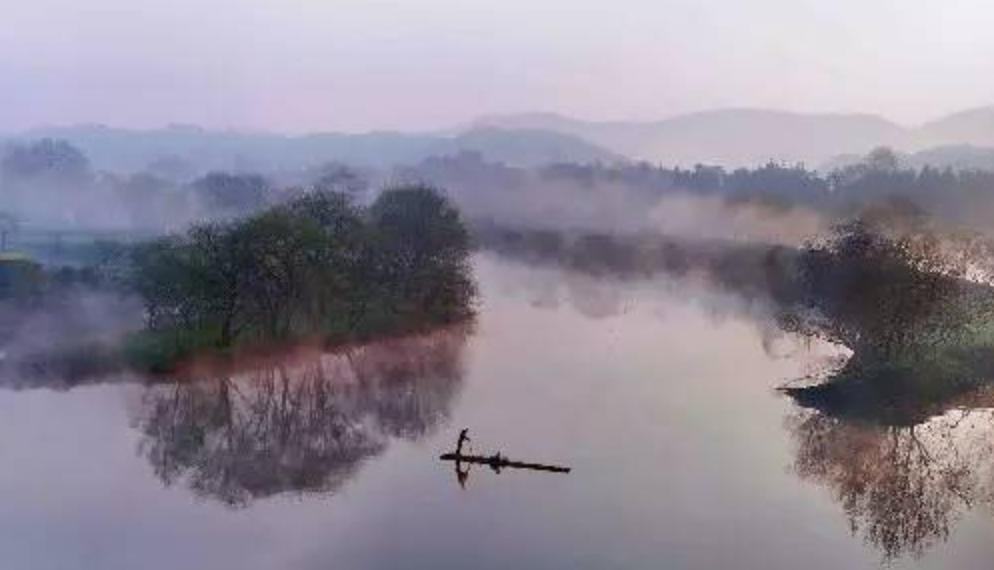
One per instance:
(886, 293)
(52, 184)
(55, 161)
(231, 194)
(319, 266)
(559, 195)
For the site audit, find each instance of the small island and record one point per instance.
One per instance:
(318, 268)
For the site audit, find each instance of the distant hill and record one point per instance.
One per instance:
(975, 127)
(728, 137)
(526, 146)
(746, 137)
(198, 150)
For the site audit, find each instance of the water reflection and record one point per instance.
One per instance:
(287, 423)
(902, 485)
(754, 272)
(901, 430)
(299, 427)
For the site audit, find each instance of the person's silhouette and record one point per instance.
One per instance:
(462, 473)
(463, 438)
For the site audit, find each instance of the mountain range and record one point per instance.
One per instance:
(742, 137)
(201, 150)
(727, 137)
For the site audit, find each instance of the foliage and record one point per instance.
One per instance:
(910, 304)
(885, 294)
(231, 194)
(20, 279)
(54, 161)
(339, 178)
(316, 267)
(422, 251)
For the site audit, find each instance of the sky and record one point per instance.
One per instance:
(359, 65)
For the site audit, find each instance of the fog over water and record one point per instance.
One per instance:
(618, 379)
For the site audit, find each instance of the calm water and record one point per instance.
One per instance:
(660, 397)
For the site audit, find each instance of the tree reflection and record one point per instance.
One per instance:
(902, 486)
(901, 433)
(299, 427)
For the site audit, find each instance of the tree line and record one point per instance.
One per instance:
(954, 196)
(53, 183)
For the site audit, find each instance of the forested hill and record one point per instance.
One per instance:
(188, 150)
(748, 137)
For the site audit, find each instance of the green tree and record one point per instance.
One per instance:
(231, 195)
(424, 253)
(885, 290)
(47, 160)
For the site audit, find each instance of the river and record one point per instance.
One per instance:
(660, 396)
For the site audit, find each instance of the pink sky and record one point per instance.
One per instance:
(311, 65)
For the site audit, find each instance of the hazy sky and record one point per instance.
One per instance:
(303, 65)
